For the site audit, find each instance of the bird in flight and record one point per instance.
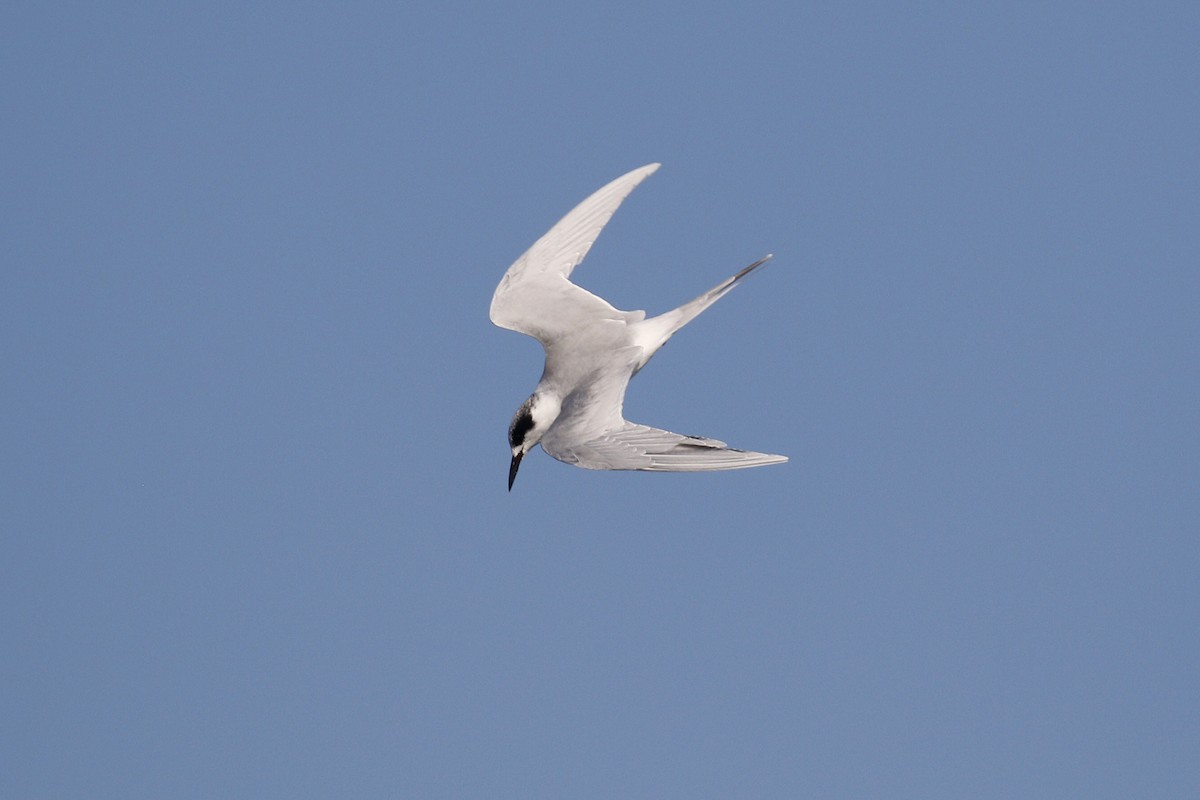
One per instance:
(592, 350)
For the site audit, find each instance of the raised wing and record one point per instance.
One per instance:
(633, 446)
(534, 296)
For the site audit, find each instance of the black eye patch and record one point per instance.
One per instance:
(521, 425)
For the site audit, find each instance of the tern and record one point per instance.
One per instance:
(592, 351)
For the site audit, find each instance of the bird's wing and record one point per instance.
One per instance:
(591, 431)
(535, 296)
(633, 446)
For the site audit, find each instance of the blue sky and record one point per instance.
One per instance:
(256, 539)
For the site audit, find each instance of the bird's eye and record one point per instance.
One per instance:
(521, 425)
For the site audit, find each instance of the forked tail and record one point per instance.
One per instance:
(653, 333)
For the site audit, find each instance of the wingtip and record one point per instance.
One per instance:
(764, 459)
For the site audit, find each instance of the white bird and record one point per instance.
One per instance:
(592, 350)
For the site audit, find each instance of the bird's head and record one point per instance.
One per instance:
(529, 424)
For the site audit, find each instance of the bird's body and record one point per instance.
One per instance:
(592, 350)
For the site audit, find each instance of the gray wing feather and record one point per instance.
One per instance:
(633, 446)
(537, 278)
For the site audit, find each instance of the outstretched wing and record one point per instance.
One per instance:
(633, 446)
(591, 431)
(535, 296)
